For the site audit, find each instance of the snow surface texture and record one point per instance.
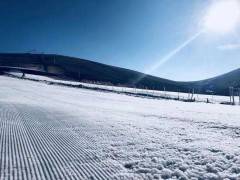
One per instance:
(56, 132)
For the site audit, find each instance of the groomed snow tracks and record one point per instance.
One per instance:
(35, 145)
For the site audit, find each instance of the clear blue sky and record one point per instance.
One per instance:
(133, 34)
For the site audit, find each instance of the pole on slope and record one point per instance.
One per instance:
(192, 94)
(230, 95)
(239, 96)
(165, 95)
(212, 97)
(233, 96)
(23, 74)
(198, 94)
(178, 94)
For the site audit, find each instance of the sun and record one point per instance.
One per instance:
(223, 16)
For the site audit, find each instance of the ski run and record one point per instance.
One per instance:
(55, 132)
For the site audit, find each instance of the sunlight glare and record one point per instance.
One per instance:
(223, 16)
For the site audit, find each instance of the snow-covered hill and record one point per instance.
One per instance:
(56, 132)
(132, 91)
(80, 69)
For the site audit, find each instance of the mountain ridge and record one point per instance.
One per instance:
(82, 69)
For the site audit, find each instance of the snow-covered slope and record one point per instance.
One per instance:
(55, 132)
(145, 92)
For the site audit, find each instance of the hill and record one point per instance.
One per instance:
(81, 69)
(220, 84)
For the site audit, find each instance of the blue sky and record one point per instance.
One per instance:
(133, 34)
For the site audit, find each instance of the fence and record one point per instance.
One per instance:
(234, 93)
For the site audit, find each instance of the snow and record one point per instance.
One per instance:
(157, 93)
(56, 132)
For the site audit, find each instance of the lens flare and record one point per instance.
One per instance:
(168, 56)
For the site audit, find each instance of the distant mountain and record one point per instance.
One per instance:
(80, 69)
(220, 84)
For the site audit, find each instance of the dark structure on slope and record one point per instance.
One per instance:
(80, 69)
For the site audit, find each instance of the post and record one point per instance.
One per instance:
(192, 94)
(23, 75)
(178, 94)
(212, 96)
(239, 96)
(233, 96)
(164, 89)
(230, 94)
